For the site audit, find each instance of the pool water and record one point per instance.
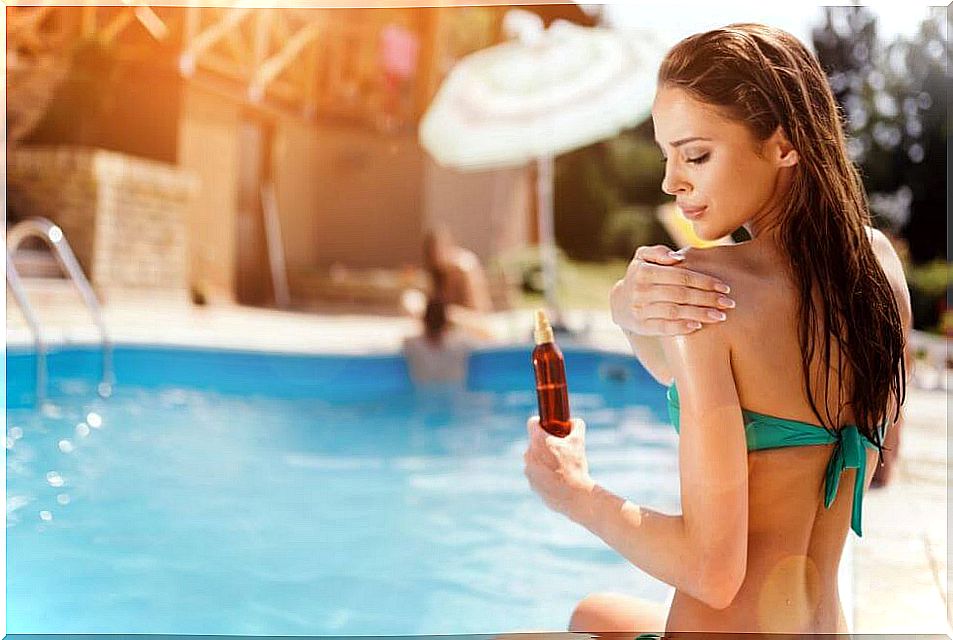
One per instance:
(230, 493)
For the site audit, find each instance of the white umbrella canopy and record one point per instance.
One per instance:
(547, 92)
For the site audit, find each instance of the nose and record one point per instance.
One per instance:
(674, 183)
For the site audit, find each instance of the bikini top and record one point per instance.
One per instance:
(769, 432)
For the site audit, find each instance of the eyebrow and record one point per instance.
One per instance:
(679, 143)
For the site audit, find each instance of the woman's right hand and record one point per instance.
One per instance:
(657, 298)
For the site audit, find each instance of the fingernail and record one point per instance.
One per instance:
(675, 256)
(717, 315)
(723, 288)
(726, 302)
(694, 325)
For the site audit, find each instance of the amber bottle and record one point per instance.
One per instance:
(551, 391)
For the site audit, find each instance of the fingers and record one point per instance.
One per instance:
(686, 296)
(578, 429)
(537, 443)
(671, 327)
(647, 273)
(659, 254)
(531, 425)
(669, 311)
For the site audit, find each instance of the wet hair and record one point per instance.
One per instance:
(435, 320)
(765, 78)
(435, 316)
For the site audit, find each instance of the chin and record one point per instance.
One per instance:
(709, 234)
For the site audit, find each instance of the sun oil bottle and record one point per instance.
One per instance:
(551, 391)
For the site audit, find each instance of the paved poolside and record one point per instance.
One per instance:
(899, 582)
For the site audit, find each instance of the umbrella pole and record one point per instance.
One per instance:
(547, 241)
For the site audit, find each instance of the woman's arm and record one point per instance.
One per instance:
(649, 351)
(703, 551)
(713, 455)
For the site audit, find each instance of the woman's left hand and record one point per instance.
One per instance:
(557, 469)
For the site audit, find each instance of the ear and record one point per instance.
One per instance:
(783, 152)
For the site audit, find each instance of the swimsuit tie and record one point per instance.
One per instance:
(848, 454)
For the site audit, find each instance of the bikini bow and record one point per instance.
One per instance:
(848, 454)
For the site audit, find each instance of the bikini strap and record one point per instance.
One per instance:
(848, 453)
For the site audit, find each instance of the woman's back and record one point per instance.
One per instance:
(794, 541)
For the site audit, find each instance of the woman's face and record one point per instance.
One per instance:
(713, 166)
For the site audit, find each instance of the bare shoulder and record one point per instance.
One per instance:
(893, 268)
(885, 252)
(760, 291)
(733, 265)
(722, 261)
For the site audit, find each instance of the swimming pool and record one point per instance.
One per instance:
(225, 492)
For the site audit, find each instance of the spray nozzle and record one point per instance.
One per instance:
(542, 332)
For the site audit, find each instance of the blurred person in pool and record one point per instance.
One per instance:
(783, 355)
(463, 282)
(458, 280)
(440, 353)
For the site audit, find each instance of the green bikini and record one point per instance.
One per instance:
(768, 432)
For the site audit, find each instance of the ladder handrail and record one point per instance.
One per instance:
(38, 227)
(16, 287)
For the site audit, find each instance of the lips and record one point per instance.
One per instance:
(692, 212)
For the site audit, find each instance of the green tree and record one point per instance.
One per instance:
(894, 99)
(606, 194)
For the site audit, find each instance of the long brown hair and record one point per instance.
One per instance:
(764, 78)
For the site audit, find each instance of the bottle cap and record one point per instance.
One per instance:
(543, 332)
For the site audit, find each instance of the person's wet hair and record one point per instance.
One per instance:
(765, 78)
(435, 320)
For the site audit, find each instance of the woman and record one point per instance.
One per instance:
(440, 353)
(781, 406)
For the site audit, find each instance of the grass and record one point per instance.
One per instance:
(580, 285)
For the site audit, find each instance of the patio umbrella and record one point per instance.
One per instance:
(541, 93)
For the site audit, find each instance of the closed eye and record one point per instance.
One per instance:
(700, 159)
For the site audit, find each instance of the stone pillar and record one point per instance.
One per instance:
(123, 216)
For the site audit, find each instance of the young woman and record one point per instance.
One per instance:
(782, 404)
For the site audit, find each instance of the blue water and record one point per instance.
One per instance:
(237, 493)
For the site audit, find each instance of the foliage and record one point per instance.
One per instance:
(579, 284)
(894, 98)
(598, 187)
(626, 228)
(933, 278)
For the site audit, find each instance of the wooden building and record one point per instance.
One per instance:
(294, 125)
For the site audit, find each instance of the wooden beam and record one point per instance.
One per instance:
(239, 50)
(152, 23)
(223, 66)
(204, 40)
(280, 29)
(277, 63)
(193, 22)
(115, 26)
(263, 22)
(23, 27)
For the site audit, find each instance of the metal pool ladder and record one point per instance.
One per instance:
(42, 228)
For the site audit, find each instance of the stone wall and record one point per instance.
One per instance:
(124, 217)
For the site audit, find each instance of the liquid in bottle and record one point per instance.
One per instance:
(551, 391)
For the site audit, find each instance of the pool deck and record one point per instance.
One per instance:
(899, 582)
